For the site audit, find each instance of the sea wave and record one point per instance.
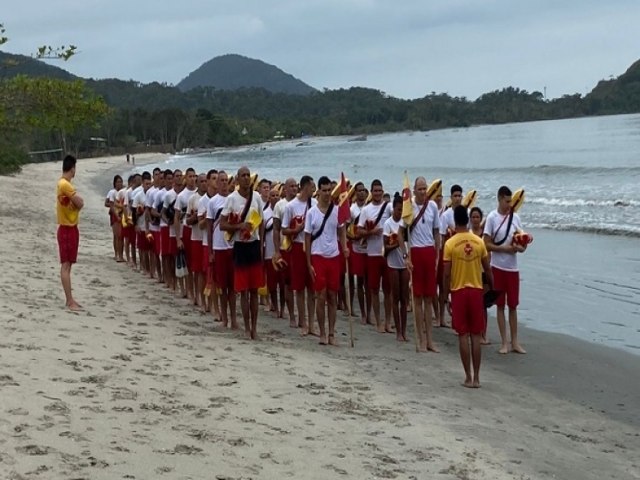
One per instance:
(614, 230)
(544, 169)
(581, 202)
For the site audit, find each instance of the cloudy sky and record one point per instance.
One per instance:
(407, 48)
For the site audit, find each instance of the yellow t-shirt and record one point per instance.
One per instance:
(66, 210)
(465, 251)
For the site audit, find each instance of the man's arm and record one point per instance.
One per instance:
(77, 201)
(492, 247)
(487, 271)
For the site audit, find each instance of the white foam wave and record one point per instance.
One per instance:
(581, 202)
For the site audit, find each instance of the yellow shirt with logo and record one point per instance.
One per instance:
(65, 209)
(465, 251)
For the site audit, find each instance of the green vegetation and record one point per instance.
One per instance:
(41, 112)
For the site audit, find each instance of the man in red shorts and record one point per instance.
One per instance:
(68, 206)
(358, 257)
(372, 218)
(293, 225)
(499, 228)
(424, 240)
(138, 208)
(240, 209)
(221, 252)
(465, 257)
(282, 257)
(323, 258)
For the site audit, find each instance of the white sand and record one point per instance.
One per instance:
(139, 386)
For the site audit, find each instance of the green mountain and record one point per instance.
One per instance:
(233, 72)
(12, 65)
(619, 95)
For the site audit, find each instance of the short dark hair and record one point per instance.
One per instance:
(476, 209)
(146, 176)
(263, 181)
(376, 183)
(456, 188)
(504, 191)
(322, 181)
(211, 173)
(157, 170)
(68, 163)
(460, 216)
(305, 180)
(167, 172)
(355, 187)
(190, 170)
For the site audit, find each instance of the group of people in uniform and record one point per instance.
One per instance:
(306, 248)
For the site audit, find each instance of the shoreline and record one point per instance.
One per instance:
(139, 374)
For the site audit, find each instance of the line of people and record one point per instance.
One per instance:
(286, 246)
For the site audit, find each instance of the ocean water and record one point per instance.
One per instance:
(581, 276)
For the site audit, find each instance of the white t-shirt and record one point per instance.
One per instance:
(296, 211)
(269, 247)
(111, 195)
(170, 197)
(214, 212)
(368, 216)
(138, 204)
(203, 203)
(502, 260)
(422, 232)
(447, 222)
(391, 227)
(182, 203)
(158, 203)
(355, 213)
(233, 208)
(150, 202)
(192, 206)
(278, 212)
(326, 245)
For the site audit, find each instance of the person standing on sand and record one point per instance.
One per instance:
(237, 216)
(282, 258)
(358, 257)
(447, 228)
(372, 218)
(465, 258)
(499, 228)
(68, 206)
(321, 233)
(477, 228)
(292, 225)
(424, 247)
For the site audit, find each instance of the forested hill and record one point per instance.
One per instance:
(12, 65)
(620, 95)
(232, 72)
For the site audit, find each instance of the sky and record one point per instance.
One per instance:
(406, 48)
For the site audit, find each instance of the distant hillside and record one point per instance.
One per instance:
(620, 95)
(232, 72)
(12, 65)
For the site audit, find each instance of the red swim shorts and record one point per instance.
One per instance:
(424, 271)
(508, 283)
(357, 263)
(300, 277)
(141, 242)
(250, 277)
(376, 272)
(157, 242)
(467, 309)
(224, 268)
(272, 275)
(194, 258)
(327, 273)
(68, 242)
(284, 274)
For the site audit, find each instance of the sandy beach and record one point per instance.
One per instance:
(140, 386)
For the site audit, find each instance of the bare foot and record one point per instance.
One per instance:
(468, 383)
(247, 334)
(323, 340)
(485, 341)
(433, 348)
(293, 324)
(518, 349)
(313, 333)
(423, 348)
(74, 306)
(333, 341)
(304, 332)
(404, 338)
(380, 329)
(363, 321)
(503, 350)
(234, 325)
(476, 383)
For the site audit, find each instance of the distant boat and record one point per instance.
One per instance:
(360, 138)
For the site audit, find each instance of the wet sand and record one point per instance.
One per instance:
(139, 386)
